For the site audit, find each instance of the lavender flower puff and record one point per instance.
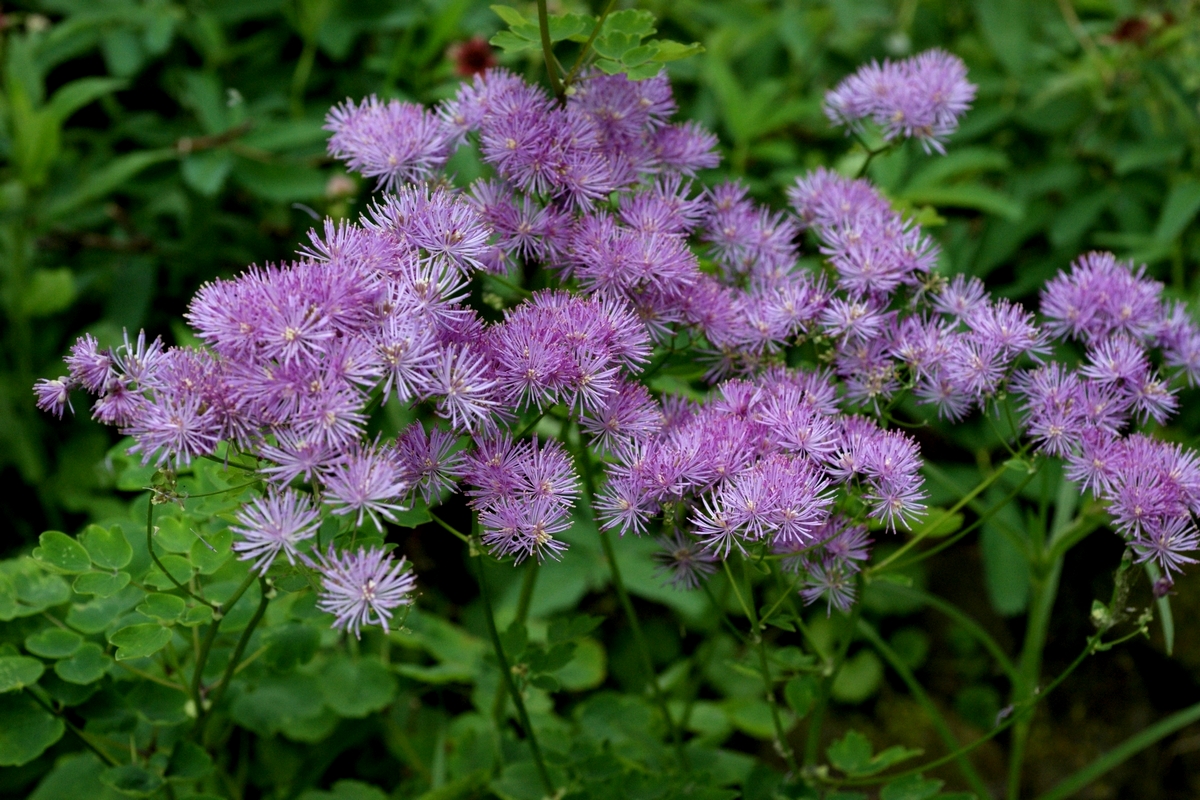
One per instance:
(363, 587)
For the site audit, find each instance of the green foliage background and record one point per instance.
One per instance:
(150, 146)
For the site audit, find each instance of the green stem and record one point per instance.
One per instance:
(968, 624)
(939, 722)
(781, 743)
(589, 483)
(1116, 756)
(530, 426)
(523, 602)
(954, 509)
(506, 675)
(588, 44)
(300, 75)
(231, 667)
(1088, 649)
(721, 612)
(548, 50)
(449, 527)
(1043, 590)
(527, 584)
(980, 520)
(816, 721)
(159, 564)
(506, 283)
(643, 650)
(219, 611)
(83, 737)
(1044, 578)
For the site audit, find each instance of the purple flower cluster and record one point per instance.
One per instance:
(761, 465)
(781, 458)
(524, 492)
(921, 97)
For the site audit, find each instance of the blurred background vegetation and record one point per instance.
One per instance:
(149, 145)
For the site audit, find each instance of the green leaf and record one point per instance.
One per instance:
(852, 754)
(752, 716)
(88, 665)
(61, 553)
(8, 599)
(106, 179)
(957, 164)
(73, 96)
(1178, 211)
(26, 730)
(158, 704)
(510, 16)
(206, 171)
(632, 22)
(570, 26)
(290, 645)
(189, 762)
(108, 547)
(53, 643)
(101, 584)
(1005, 570)
(509, 42)
(49, 291)
(911, 645)
(357, 688)
(278, 702)
(196, 615)
(609, 67)
(37, 591)
(416, 514)
(667, 50)
(132, 780)
(514, 639)
(97, 615)
(178, 566)
(638, 55)
(801, 694)
(615, 45)
(17, 672)
(209, 553)
(911, 787)
(586, 670)
(973, 196)
(859, 677)
(566, 630)
(280, 181)
(163, 607)
(357, 790)
(139, 641)
(547, 683)
(643, 72)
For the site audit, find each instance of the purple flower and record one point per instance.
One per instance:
(363, 587)
(90, 366)
(274, 524)
(920, 97)
(175, 428)
(394, 142)
(834, 582)
(525, 527)
(462, 381)
(1168, 543)
(426, 460)
(683, 561)
(53, 394)
(1101, 296)
(366, 482)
